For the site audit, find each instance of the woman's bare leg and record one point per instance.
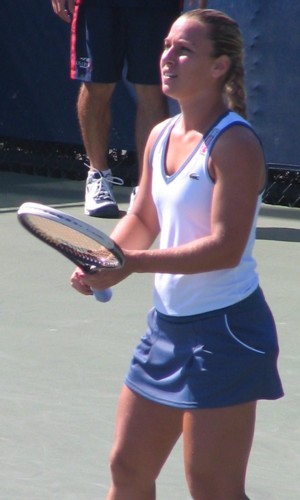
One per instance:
(217, 446)
(145, 434)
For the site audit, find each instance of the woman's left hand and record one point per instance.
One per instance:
(100, 280)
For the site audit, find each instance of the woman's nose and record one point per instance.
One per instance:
(168, 56)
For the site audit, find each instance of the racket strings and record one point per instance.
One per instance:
(87, 256)
(77, 246)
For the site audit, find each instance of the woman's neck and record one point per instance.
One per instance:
(201, 115)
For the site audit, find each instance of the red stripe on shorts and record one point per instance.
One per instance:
(73, 70)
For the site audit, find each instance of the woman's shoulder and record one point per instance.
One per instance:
(236, 130)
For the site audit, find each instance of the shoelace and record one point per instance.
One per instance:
(102, 191)
(117, 181)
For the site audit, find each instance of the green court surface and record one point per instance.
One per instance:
(64, 357)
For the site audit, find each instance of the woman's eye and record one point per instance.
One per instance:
(177, 48)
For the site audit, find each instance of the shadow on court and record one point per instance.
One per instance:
(64, 357)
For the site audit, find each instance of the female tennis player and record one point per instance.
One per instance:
(210, 350)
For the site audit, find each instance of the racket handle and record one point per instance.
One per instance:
(103, 295)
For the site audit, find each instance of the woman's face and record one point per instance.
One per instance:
(186, 62)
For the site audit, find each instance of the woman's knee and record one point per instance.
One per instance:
(125, 471)
(213, 487)
(120, 468)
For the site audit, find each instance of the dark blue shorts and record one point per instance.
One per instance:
(103, 38)
(211, 360)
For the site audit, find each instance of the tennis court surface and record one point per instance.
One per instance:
(64, 356)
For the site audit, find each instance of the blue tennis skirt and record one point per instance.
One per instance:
(211, 360)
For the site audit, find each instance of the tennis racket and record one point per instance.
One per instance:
(87, 247)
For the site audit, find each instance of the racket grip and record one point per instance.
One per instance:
(103, 295)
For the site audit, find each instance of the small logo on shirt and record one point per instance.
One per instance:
(194, 176)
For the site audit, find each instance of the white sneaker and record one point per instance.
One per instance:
(99, 200)
(134, 192)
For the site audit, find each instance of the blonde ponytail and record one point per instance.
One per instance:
(226, 39)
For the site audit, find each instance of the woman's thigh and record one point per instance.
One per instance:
(145, 434)
(217, 444)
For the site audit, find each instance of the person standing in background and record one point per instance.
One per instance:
(104, 35)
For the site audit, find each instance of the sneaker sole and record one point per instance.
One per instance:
(106, 212)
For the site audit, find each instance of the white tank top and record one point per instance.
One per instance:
(183, 202)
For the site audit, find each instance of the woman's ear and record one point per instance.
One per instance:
(221, 66)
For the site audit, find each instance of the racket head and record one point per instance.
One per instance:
(85, 246)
